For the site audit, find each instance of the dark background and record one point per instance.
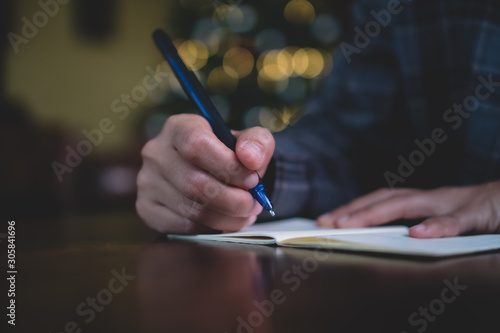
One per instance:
(83, 55)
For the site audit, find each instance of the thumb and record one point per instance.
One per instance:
(254, 148)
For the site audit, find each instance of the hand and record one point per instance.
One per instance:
(449, 211)
(190, 182)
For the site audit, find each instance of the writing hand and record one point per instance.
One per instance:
(190, 182)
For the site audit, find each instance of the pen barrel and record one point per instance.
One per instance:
(193, 88)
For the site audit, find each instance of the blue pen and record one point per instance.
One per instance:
(195, 91)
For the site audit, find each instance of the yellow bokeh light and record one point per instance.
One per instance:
(239, 60)
(316, 64)
(222, 80)
(299, 12)
(194, 54)
(285, 62)
(300, 61)
(277, 120)
(308, 62)
(272, 72)
(275, 65)
(289, 52)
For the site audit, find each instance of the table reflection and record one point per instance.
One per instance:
(210, 287)
(186, 287)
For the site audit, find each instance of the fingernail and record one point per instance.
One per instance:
(419, 228)
(342, 221)
(253, 149)
(251, 181)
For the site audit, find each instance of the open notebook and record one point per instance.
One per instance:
(385, 239)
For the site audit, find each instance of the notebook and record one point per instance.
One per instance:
(298, 232)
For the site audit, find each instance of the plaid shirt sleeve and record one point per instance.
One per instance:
(320, 161)
(397, 89)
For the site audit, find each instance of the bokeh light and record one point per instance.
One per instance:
(300, 61)
(209, 33)
(194, 54)
(251, 118)
(325, 28)
(315, 65)
(239, 60)
(222, 80)
(275, 65)
(118, 180)
(241, 18)
(229, 41)
(272, 119)
(308, 62)
(299, 12)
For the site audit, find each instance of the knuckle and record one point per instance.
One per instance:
(240, 207)
(174, 122)
(262, 137)
(195, 184)
(176, 125)
(150, 150)
(224, 176)
(263, 134)
(193, 145)
(192, 209)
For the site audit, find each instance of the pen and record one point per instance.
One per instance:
(197, 94)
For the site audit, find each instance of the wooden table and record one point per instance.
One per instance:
(112, 274)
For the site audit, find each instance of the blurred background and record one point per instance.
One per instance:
(83, 87)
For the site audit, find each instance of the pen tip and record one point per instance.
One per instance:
(272, 212)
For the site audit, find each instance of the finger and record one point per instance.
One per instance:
(199, 186)
(255, 148)
(444, 226)
(342, 213)
(180, 184)
(200, 211)
(189, 217)
(217, 221)
(193, 139)
(163, 220)
(404, 206)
